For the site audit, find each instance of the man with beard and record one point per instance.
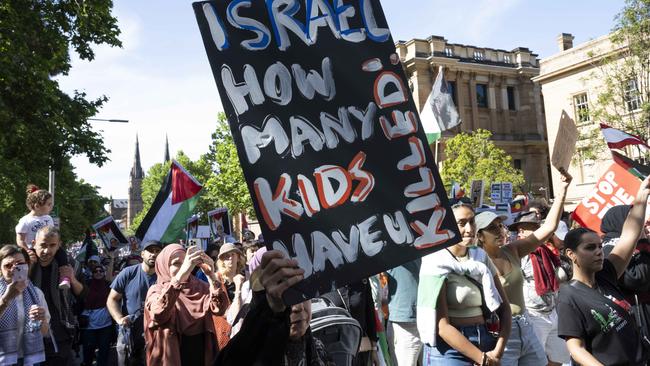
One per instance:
(128, 292)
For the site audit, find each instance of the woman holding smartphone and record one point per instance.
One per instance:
(179, 329)
(24, 316)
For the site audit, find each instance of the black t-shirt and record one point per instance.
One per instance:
(610, 332)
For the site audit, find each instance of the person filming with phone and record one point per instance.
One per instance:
(24, 315)
(179, 309)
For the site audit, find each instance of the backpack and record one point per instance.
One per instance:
(336, 329)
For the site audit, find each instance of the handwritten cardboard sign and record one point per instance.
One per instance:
(328, 136)
(565, 143)
(616, 187)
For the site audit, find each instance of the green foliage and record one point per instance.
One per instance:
(227, 185)
(218, 170)
(41, 126)
(618, 103)
(155, 177)
(473, 156)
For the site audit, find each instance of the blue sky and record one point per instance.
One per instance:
(161, 81)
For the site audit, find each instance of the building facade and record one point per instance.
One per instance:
(493, 90)
(570, 85)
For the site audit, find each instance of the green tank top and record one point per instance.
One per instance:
(513, 285)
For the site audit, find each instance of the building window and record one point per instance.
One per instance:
(581, 105)
(506, 59)
(631, 95)
(449, 52)
(481, 95)
(517, 164)
(510, 92)
(478, 55)
(451, 86)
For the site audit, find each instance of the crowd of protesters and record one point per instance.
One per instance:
(529, 293)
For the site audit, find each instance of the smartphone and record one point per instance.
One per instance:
(20, 273)
(195, 242)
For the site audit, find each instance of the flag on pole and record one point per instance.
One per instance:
(617, 139)
(439, 112)
(173, 205)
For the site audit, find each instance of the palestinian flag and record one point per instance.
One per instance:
(172, 207)
(638, 170)
(439, 112)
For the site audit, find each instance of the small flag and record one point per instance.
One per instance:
(110, 234)
(638, 170)
(173, 205)
(88, 249)
(617, 139)
(439, 112)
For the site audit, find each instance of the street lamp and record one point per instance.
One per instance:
(52, 175)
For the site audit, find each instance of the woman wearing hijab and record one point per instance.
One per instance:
(179, 329)
(97, 323)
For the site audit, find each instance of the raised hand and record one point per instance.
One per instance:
(278, 274)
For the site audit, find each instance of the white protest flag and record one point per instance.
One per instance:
(439, 112)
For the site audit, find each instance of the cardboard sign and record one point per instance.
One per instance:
(477, 193)
(219, 222)
(616, 187)
(328, 136)
(565, 143)
(110, 234)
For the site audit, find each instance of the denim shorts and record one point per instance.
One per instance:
(444, 354)
(523, 347)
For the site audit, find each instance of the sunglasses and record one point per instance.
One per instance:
(99, 271)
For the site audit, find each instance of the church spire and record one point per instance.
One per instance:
(166, 149)
(136, 170)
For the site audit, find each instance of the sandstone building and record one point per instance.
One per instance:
(493, 90)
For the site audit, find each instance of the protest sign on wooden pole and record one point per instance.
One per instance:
(328, 137)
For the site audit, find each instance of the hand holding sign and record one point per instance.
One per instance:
(278, 274)
(565, 179)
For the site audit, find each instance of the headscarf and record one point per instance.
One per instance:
(191, 305)
(613, 221)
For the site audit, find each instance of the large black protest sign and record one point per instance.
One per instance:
(328, 136)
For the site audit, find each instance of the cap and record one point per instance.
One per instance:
(229, 247)
(94, 258)
(561, 230)
(485, 218)
(152, 243)
(528, 217)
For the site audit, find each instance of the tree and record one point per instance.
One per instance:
(41, 126)
(473, 156)
(227, 185)
(623, 100)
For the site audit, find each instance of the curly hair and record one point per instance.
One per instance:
(36, 196)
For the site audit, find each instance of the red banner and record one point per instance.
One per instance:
(616, 187)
